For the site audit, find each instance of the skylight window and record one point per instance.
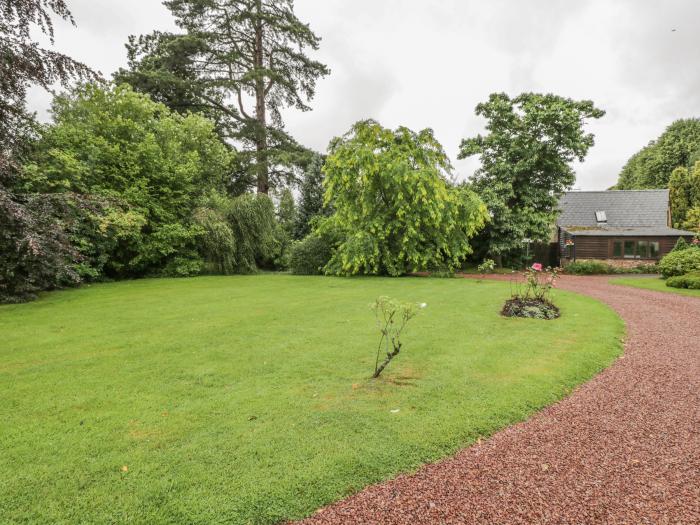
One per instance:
(600, 216)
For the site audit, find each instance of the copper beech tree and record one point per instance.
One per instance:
(35, 249)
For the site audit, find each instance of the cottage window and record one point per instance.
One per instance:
(654, 250)
(635, 249)
(643, 250)
(601, 216)
(617, 249)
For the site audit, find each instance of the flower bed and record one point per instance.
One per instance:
(532, 298)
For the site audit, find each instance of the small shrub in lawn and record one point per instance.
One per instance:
(690, 281)
(680, 262)
(533, 299)
(392, 317)
(487, 266)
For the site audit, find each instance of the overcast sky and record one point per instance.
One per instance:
(428, 63)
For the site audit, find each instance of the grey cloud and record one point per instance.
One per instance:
(427, 64)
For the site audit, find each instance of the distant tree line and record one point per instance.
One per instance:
(671, 161)
(181, 165)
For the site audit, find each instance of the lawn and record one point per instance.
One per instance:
(654, 283)
(248, 399)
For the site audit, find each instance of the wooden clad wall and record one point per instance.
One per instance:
(592, 247)
(598, 247)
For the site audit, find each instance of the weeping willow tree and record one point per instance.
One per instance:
(237, 233)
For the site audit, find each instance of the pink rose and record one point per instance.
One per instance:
(537, 267)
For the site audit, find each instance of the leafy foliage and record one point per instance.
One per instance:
(681, 244)
(684, 196)
(692, 219)
(487, 266)
(119, 145)
(252, 219)
(25, 63)
(287, 212)
(234, 53)
(691, 281)
(286, 221)
(526, 163)
(601, 268)
(651, 167)
(680, 262)
(590, 268)
(216, 242)
(539, 282)
(311, 191)
(313, 253)
(392, 317)
(394, 205)
(238, 232)
(36, 251)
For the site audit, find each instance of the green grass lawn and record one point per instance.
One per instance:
(248, 399)
(653, 283)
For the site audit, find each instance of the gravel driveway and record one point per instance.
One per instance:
(624, 448)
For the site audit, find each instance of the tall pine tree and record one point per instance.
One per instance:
(243, 62)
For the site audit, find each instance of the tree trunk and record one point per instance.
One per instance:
(261, 163)
(389, 357)
(261, 160)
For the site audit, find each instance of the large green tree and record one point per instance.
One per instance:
(394, 206)
(237, 232)
(151, 164)
(242, 62)
(684, 196)
(526, 158)
(651, 167)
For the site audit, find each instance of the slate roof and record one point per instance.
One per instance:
(629, 212)
(650, 231)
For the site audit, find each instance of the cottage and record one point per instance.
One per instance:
(620, 227)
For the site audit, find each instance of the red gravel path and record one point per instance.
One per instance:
(624, 448)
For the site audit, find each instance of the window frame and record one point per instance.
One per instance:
(648, 242)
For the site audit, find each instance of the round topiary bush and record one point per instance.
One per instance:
(680, 262)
